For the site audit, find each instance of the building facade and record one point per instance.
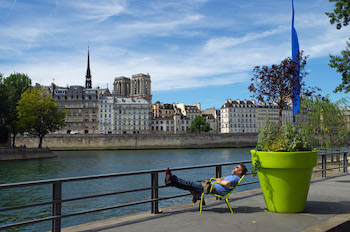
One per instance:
(248, 116)
(270, 111)
(132, 116)
(106, 112)
(161, 110)
(238, 117)
(82, 109)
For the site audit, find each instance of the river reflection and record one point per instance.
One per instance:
(85, 163)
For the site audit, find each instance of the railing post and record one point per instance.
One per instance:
(345, 162)
(154, 192)
(332, 157)
(218, 171)
(56, 206)
(324, 165)
(218, 175)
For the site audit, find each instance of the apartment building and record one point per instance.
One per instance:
(82, 107)
(161, 110)
(270, 111)
(132, 116)
(106, 112)
(238, 117)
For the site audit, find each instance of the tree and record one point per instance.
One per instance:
(326, 123)
(199, 124)
(4, 110)
(276, 83)
(341, 64)
(38, 114)
(341, 14)
(15, 85)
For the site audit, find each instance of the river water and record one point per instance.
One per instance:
(85, 163)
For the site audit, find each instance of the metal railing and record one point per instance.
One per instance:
(57, 194)
(341, 158)
(338, 159)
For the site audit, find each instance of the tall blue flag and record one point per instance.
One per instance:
(295, 53)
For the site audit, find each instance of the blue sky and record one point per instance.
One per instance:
(195, 51)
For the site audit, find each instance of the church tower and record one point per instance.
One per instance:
(88, 84)
(140, 87)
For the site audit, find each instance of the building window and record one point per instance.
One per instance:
(135, 88)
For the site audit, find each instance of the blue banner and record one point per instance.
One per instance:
(295, 54)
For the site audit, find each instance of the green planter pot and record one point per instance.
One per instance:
(285, 178)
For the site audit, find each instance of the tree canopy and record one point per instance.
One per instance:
(341, 13)
(341, 16)
(39, 114)
(15, 85)
(342, 65)
(276, 83)
(199, 124)
(4, 110)
(326, 123)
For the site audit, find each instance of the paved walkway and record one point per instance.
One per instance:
(328, 205)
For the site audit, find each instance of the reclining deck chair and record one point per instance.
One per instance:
(221, 196)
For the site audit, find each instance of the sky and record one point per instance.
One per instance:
(195, 51)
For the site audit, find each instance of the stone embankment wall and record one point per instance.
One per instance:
(151, 141)
(24, 153)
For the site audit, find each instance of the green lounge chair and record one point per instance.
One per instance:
(221, 196)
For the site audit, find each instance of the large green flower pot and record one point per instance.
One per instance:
(285, 178)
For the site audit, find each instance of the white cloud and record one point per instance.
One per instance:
(160, 26)
(98, 10)
(47, 49)
(215, 44)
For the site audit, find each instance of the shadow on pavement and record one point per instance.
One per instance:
(319, 207)
(240, 209)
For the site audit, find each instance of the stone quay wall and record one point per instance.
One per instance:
(134, 142)
(24, 154)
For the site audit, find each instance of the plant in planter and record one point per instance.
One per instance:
(283, 158)
(284, 161)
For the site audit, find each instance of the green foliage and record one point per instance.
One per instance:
(199, 124)
(268, 137)
(15, 85)
(4, 110)
(341, 14)
(290, 139)
(4, 101)
(39, 114)
(256, 165)
(341, 64)
(294, 139)
(326, 123)
(276, 83)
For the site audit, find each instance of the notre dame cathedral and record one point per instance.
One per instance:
(139, 86)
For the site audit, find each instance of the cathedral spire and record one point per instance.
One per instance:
(88, 84)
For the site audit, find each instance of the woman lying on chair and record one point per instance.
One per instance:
(197, 188)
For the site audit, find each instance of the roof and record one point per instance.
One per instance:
(125, 100)
(209, 116)
(163, 118)
(107, 93)
(227, 105)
